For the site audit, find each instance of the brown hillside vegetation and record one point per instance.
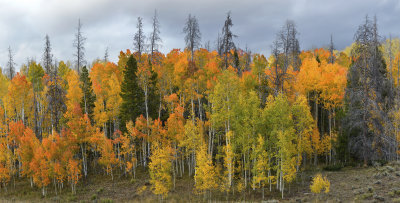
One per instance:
(350, 184)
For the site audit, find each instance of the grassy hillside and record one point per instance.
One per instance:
(359, 184)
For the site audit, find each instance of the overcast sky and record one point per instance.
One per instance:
(112, 23)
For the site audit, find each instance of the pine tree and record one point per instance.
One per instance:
(87, 103)
(131, 93)
(153, 97)
(48, 57)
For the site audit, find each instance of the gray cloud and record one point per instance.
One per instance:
(112, 23)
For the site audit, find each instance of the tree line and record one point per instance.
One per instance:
(231, 120)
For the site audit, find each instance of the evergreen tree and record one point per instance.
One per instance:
(131, 93)
(154, 97)
(236, 62)
(87, 103)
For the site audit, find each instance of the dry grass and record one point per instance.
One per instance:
(347, 185)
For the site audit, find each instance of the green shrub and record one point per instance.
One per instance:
(106, 201)
(94, 197)
(72, 198)
(364, 196)
(100, 190)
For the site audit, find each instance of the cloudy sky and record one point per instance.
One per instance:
(112, 23)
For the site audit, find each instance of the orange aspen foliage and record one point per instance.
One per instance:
(107, 158)
(26, 151)
(5, 164)
(40, 167)
(17, 130)
(333, 83)
(73, 173)
(175, 125)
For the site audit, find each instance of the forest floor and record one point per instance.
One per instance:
(350, 184)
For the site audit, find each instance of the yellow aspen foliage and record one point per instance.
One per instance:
(75, 94)
(4, 82)
(326, 143)
(261, 164)
(228, 163)
(316, 142)
(192, 137)
(18, 101)
(128, 147)
(279, 120)
(304, 125)
(320, 183)
(395, 72)
(395, 116)
(106, 79)
(205, 175)
(160, 168)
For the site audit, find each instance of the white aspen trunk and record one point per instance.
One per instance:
(200, 113)
(330, 135)
(193, 114)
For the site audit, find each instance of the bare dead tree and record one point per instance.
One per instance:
(47, 56)
(207, 45)
(193, 35)
(247, 63)
(106, 55)
(290, 45)
(10, 64)
(369, 98)
(80, 48)
(286, 50)
(155, 39)
(218, 44)
(227, 43)
(139, 38)
(331, 49)
(56, 101)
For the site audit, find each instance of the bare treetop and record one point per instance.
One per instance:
(155, 39)
(10, 64)
(193, 35)
(139, 38)
(227, 43)
(79, 45)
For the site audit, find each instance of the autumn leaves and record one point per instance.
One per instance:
(227, 129)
